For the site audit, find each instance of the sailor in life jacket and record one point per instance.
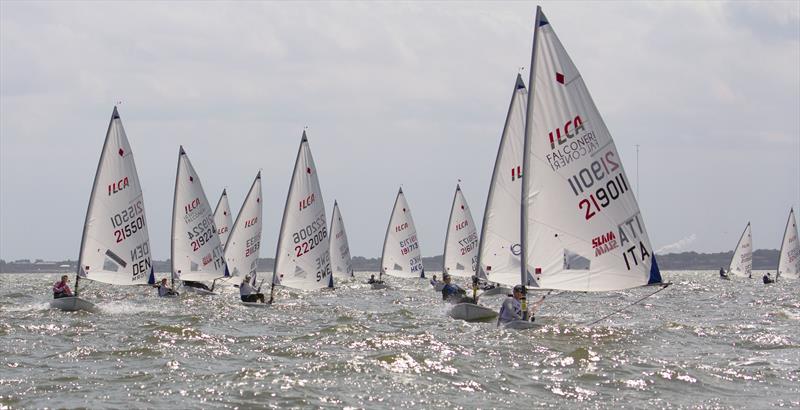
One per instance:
(165, 290)
(248, 293)
(61, 288)
(511, 309)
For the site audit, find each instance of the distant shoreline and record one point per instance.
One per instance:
(763, 259)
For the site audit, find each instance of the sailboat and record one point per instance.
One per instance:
(500, 245)
(115, 247)
(576, 199)
(197, 254)
(302, 258)
(244, 242)
(401, 256)
(341, 262)
(461, 256)
(789, 260)
(223, 219)
(742, 259)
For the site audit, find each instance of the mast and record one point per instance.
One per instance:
(181, 153)
(114, 116)
(479, 271)
(524, 276)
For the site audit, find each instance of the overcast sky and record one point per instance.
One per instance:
(393, 93)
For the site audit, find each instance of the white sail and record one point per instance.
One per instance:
(241, 251)
(401, 254)
(197, 253)
(115, 247)
(582, 228)
(461, 241)
(223, 219)
(789, 261)
(303, 258)
(742, 260)
(500, 245)
(340, 250)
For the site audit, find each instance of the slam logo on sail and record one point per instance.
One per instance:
(604, 243)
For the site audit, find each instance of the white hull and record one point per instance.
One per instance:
(521, 325)
(471, 312)
(255, 304)
(73, 304)
(379, 286)
(500, 290)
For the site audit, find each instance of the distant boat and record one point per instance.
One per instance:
(500, 245)
(115, 247)
(582, 229)
(742, 259)
(789, 260)
(341, 262)
(244, 242)
(197, 254)
(302, 259)
(401, 256)
(223, 219)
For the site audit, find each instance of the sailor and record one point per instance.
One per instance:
(248, 293)
(198, 285)
(767, 279)
(433, 280)
(372, 279)
(165, 290)
(511, 309)
(451, 293)
(61, 288)
(722, 273)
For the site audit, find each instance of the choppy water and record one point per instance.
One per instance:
(702, 343)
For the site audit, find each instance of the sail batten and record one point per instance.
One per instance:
(401, 255)
(115, 247)
(197, 253)
(582, 228)
(302, 259)
(460, 254)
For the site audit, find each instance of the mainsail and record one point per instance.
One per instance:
(302, 260)
(223, 219)
(196, 250)
(241, 251)
(340, 250)
(742, 260)
(115, 247)
(500, 249)
(461, 241)
(577, 203)
(789, 261)
(401, 255)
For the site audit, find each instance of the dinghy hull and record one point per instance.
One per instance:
(471, 312)
(73, 304)
(199, 291)
(379, 286)
(255, 305)
(521, 325)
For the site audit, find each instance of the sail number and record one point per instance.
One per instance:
(409, 244)
(310, 236)
(129, 221)
(469, 243)
(128, 230)
(127, 214)
(595, 174)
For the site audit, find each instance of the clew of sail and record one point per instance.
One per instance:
(302, 260)
(789, 261)
(115, 248)
(401, 254)
(500, 249)
(582, 228)
(197, 253)
(340, 250)
(242, 248)
(461, 241)
(742, 259)
(223, 219)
